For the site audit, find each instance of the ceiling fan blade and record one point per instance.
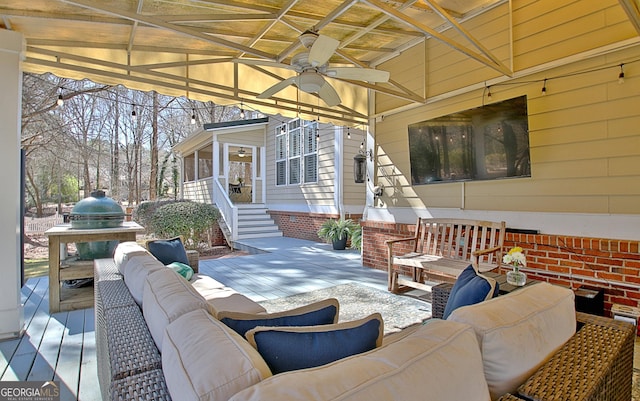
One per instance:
(362, 74)
(264, 63)
(322, 50)
(329, 95)
(277, 88)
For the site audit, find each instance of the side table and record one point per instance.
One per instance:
(64, 299)
(440, 293)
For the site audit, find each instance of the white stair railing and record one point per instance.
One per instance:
(226, 207)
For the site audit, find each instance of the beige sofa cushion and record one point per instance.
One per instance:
(166, 297)
(202, 359)
(518, 332)
(224, 299)
(136, 272)
(125, 251)
(439, 361)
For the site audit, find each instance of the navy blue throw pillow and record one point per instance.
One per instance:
(318, 313)
(470, 288)
(292, 348)
(168, 250)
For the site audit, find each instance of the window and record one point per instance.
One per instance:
(485, 143)
(296, 153)
(190, 167)
(205, 163)
(310, 152)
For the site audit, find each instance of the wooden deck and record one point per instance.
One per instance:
(60, 346)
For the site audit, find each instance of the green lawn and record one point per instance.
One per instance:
(36, 268)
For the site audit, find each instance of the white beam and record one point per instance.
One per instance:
(11, 314)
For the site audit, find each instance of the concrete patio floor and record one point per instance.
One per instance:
(288, 266)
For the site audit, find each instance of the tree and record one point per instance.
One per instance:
(106, 137)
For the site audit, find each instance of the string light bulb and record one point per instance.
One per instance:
(133, 111)
(489, 92)
(348, 133)
(193, 117)
(621, 75)
(242, 114)
(361, 146)
(60, 100)
(544, 87)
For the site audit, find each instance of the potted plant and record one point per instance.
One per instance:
(337, 232)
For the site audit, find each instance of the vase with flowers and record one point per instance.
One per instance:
(515, 257)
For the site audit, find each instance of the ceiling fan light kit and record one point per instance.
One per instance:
(313, 65)
(310, 82)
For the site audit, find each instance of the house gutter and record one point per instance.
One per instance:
(338, 146)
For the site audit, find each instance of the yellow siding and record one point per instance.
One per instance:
(408, 73)
(354, 194)
(584, 134)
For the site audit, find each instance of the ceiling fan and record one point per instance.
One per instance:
(313, 66)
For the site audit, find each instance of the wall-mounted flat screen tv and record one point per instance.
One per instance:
(488, 142)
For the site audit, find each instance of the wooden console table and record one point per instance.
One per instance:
(64, 299)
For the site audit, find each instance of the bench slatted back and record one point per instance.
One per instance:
(458, 238)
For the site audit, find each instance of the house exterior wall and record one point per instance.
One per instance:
(335, 170)
(198, 191)
(299, 210)
(584, 141)
(304, 225)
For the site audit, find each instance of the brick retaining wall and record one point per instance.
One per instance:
(613, 265)
(303, 225)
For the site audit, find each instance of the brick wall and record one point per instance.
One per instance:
(613, 265)
(303, 225)
(217, 237)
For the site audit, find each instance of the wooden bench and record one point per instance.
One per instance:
(442, 248)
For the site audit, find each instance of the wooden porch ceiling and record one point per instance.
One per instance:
(188, 47)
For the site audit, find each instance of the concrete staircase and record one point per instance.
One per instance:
(255, 222)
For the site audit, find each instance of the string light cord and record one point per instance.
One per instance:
(618, 67)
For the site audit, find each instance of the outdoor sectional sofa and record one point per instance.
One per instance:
(519, 346)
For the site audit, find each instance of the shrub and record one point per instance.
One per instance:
(191, 220)
(333, 230)
(144, 212)
(356, 238)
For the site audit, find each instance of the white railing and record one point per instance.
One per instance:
(226, 208)
(34, 225)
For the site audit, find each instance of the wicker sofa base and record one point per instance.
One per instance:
(595, 364)
(129, 363)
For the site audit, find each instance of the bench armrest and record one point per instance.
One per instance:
(390, 242)
(475, 256)
(486, 251)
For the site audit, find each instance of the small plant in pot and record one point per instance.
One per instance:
(337, 232)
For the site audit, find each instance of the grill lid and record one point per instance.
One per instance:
(96, 208)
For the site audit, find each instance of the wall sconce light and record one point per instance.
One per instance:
(359, 168)
(378, 190)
